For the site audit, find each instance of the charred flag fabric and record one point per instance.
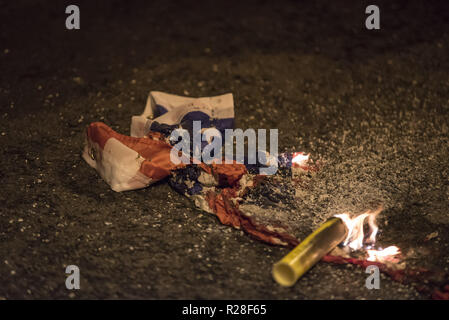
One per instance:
(264, 206)
(235, 193)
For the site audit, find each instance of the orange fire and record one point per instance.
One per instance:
(356, 238)
(383, 255)
(300, 159)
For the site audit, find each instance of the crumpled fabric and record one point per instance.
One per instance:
(137, 161)
(260, 205)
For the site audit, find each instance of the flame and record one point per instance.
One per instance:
(356, 238)
(300, 159)
(383, 255)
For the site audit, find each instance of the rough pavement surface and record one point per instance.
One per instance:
(371, 105)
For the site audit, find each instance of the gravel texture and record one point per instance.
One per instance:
(371, 106)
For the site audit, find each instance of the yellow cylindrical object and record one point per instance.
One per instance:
(290, 268)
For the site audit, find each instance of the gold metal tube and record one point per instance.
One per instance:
(290, 268)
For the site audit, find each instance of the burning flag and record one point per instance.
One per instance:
(261, 205)
(235, 192)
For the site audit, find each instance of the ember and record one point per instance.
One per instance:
(300, 159)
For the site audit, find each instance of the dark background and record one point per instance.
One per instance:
(372, 105)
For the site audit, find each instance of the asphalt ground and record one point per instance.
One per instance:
(372, 105)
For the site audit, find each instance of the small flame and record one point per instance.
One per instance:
(383, 255)
(356, 236)
(300, 159)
